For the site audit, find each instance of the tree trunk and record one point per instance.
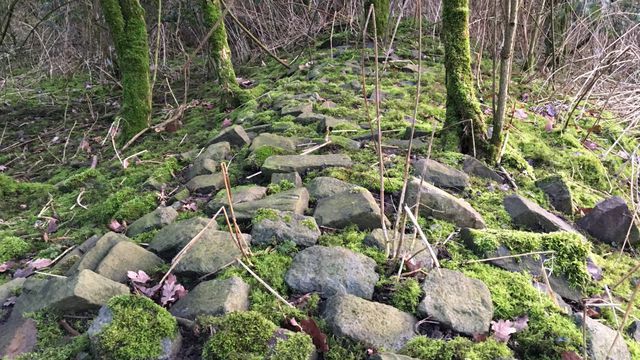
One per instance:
(125, 19)
(220, 53)
(511, 20)
(381, 9)
(530, 63)
(464, 128)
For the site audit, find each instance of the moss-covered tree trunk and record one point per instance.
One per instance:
(125, 19)
(381, 10)
(220, 55)
(464, 128)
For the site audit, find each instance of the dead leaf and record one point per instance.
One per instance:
(319, 339)
(502, 330)
(520, 114)
(115, 226)
(38, 264)
(139, 277)
(52, 225)
(172, 291)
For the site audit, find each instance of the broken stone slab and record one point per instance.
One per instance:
(94, 253)
(18, 335)
(285, 226)
(204, 184)
(239, 194)
(475, 167)
(330, 271)
(371, 323)
(292, 177)
(558, 193)
(72, 258)
(84, 291)
(169, 240)
(357, 207)
(532, 216)
(459, 302)
(294, 200)
(156, 219)
(234, 135)
(296, 109)
(273, 140)
(126, 256)
(214, 297)
(211, 252)
(441, 175)
(610, 221)
(439, 204)
(600, 338)
(207, 161)
(419, 255)
(324, 186)
(304, 163)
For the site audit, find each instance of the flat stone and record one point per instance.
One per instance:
(127, 256)
(296, 109)
(214, 297)
(558, 193)
(292, 177)
(96, 252)
(169, 240)
(324, 186)
(18, 335)
(609, 222)
(439, 204)
(84, 291)
(371, 323)
(161, 216)
(309, 118)
(287, 226)
(419, 255)
(532, 216)
(273, 140)
(234, 135)
(441, 175)
(475, 167)
(207, 162)
(304, 163)
(357, 207)
(294, 200)
(600, 337)
(204, 184)
(239, 194)
(330, 271)
(457, 301)
(213, 251)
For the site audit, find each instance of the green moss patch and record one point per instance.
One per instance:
(459, 348)
(12, 247)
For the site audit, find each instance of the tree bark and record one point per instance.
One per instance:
(125, 19)
(506, 55)
(530, 63)
(382, 10)
(464, 128)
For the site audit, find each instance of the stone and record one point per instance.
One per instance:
(390, 356)
(239, 194)
(558, 193)
(304, 163)
(286, 226)
(357, 207)
(214, 297)
(609, 222)
(72, 258)
(371, 323)
(169, 240)
(10, 288)
(329, 123)
(202, 167)
(204, 184)
(600, 337)
(292, 177)
(441, 175)
(532, 216)
(309, 118)
(294, 200)
(330, 271)
(439, 204)
(475, 167)
(324, 186)
(234, 135)
(207, 161)
(127, 256)
(296, 109)
(634, 330)
(213, 251)
(460, 303)
(273, 140)
(422, 256)
(18, 335)
(82, 292)
(161, 216)
(96, 252)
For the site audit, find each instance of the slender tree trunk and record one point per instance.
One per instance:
(382, 10)
(7, 22)
(511, 24)
(464, 127)
(530, 63)
(125, 19)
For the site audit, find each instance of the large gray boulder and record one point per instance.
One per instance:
(97, 251)
(371, 323)
(156, 219)
(234, 135)
(273, 140)
(441, 175)
(84, 291)
(214, 297)
(599, 340)
(169, 240)
(239, 194)
(332, 270)
(610, 221)
(304, 163)
(460, 303)
(558, 193)
(475, 167)
(285, 226)
(126, 256)
(532, 216)
(439, 204)
(294, 200)
(210, 253)
(324, 186)
(357, 207)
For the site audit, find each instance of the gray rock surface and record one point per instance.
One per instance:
(532, 216)
(292, 177)
(214, 297)
(609, 222)
(204, 184)
(558, 193)
(9, 288)
(304, 163)
(357, 207)
(239, 194)
(296, 109)
(330, 271)
(96, 252)
(273, 140)
(169, 240)
(374, 324)
(294, 200)
(126, 256)
(475, 167)
(457, 301)
(419, 254)
(600, 337)
(634, 330)
(207, 162)
(210, 253)
(441, 175)
(324, 186)
(18, 335)
(287, 226)
(234, 135)
(156, 219)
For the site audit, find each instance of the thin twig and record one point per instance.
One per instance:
(263, 283)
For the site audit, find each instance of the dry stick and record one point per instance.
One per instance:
(635, 205)
(157, 52)
(424, 238)
(552, 295)
(624, 318)
(271, 290)
(395, 31)
(364, 78)
(241, 240)
(66, 143)
(255, 39)
(333, 23)
(626, 276)
(509, 256)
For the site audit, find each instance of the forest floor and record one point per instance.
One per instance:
(64, 178)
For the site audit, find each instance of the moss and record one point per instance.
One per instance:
(53, 342)
(406, 295)
(459, 348)
(353, 239)
(258, 156)
(309, 224)
(124, 204)
(283, 185)
(71, 350)
(381, 11)
(12, 247)
(145, 237)
(81, 179)
(239, 336)
(265, 214)
(296, 346)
